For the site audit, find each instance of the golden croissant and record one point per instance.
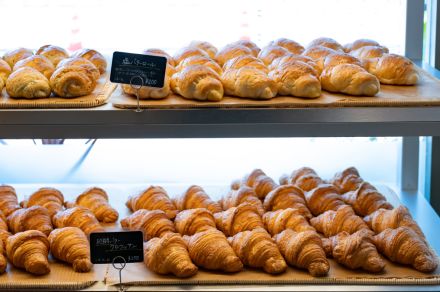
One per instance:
(249, 44)
(169, 255)
(347, 180)
(210, 249)
(8, 200)
(355, 251)
(243, 194)
(341, 58)
(382, 219)
(271, 52)
(72, 81)
(4, 235)
(160, 52)
(39, 63)
(326, 42)
(245, 61)
(318, 54)
(153, 223)
(331, 222)
(29, 83)
(200, 60)
(13, 56)
(290, 45)
(96, 199)
(70, 245)
(93, 56)
(3, 222)
(290, 218)
(49, 198)
(303, 250)
(207, 47)
(260, 182)
(189, 222)
(287, 196)
(187, 52)
(196, 197)
(54, 53)
(32, 218)
(402, 245)
(256, 249)
(28, 250)
(82, 62)
(231, 51)
(79, 217)
(5, 71)
(280, 61)
(367, 54)
(366, 199)
(305, 178)
(153, 198)
(237, 219)
(359, 43)
(323, 198)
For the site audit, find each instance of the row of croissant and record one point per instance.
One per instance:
(283, 67)
(50, 69)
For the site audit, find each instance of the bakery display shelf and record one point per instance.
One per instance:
(109, 122)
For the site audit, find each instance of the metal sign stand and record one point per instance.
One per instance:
(137, 87)
(121, 287)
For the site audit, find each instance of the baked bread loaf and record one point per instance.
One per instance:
(70, 245)
(72, 81)
(259, 181)
(318, 54)
(362, 43)
(153, 223)
(287, 196)
(49, 198)
(5, 71)
(245, 61)
(13, 56)
(40, 63)
(93, 56)
(231, 51)
(196, 197)
(291, 57)
(249, 44)
(207, 47)
(270, 53)
(305, 178)
(326, 42)
(323, 198)
(290, 218)
(368, 52)
(82, 62)
(32, 218)
(394, 70)
(340, 58)
(189, 222)
(53, 53)
(297, 78)
(187, 52)
(169, 255)
(153, 198)
(27, 83)
(290, 45)
(160, 52)
(238, 219)
(256, 249)
(347, 180)
(8, 200)
(28, 250)
(79, 217)
(303, 250)
(248, 82)
(200, 60)
(243, 194)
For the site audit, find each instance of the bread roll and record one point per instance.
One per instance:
(39, 63)
(296, 78)
(245, 61)
(368, 52)
(290, 45)
(160, 52)
(249, 82)
(230, 52)
(82, 62)
(318, 54)
(362, 43)
(326, 42)
(198, 82)
(12, 57)
(207, 47)
(2, 84)
(72, 81)
(200, 60)
(93, 56)
(336, 59)
(249, 44)
(291, 57)
(27, 82)
(5, 70)
(394, 70)
(270, 53)
(53, 53)
(146, 92)
(187, 52)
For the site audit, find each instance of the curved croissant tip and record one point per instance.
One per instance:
(425, 263)
(413, 78)
(371, 89)
(275, 266)
(319, 268)
(232, 264)
(82, 265)
(39, 268)
(375, 265)
(214, 95)
(267, 93)
(185, 270)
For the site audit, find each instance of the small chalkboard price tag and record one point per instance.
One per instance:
(138, 69)
(115, 247)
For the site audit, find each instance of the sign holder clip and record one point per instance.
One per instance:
(137, 86)
(119, 267)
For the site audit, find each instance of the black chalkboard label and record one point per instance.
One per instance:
(138, 69)
(105, 246)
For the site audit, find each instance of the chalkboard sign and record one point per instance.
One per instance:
(105, 246)
(138, 69)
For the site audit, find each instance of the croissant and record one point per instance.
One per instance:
(5, 71)
(369, 52)
(270, 53)
(290, 45)
(326, 42)
(196, 197)
(349, 79)
(153, 198)
(93, 56)
(39, 63)
(152, 223)
(393, 69)
(70, 245)
(8, 200)
(2, 85)
(355, 251)
(53, 53)
(366, 199)
(237, 219)
(146, 92)
(32, 218)
(27, 82)
(231, 51)
(207, 47)
(243, 194)
(256, 249)
(331, 222)
(200, 60)
(305, 178)
(249, 82)
(3, 222)
(187, 52)
(96, 199)
(382, 219)
(361, 43)
(160, 52)
(291, 57)
(189, 222)
(198, 82)
(341, 58)
(49, 198)
(297, 78)
(79, 217)
(402, 245)
(72, 81)
(260, 182)
(3, 260)
(169, 255)
(318, 54)
(347, 180)
(29, 250)
(249, 44)
(245, 61)
(290, 218)
(12, 57)
(323, 198)
(287, 196)
(82, 62)
(303, 250)
(210, 249)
